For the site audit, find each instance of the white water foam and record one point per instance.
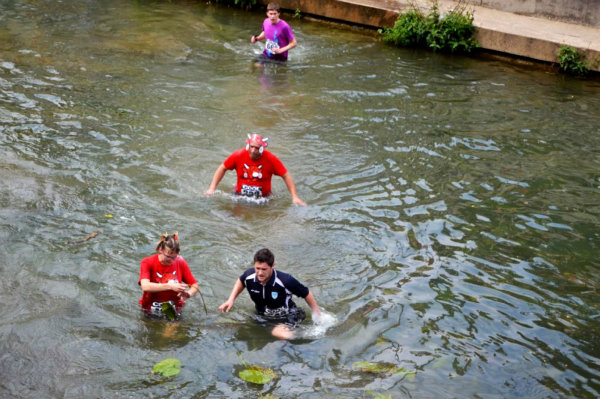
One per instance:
(320, 325)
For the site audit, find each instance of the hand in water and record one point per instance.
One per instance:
(298, 201)
(226, 306)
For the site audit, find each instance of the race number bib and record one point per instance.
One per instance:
(270, 45)
(251, 191)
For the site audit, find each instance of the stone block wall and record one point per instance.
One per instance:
(582, 12)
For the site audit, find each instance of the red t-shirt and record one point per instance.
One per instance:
(156, 272)
(254, 176)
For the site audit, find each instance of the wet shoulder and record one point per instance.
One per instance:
(286, 278)
(249, 273)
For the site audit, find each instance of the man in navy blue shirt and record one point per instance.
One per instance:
(271, 291)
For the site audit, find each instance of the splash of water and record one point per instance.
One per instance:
(249, 200)
(320, 325)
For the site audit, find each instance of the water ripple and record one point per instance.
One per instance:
(451, 227)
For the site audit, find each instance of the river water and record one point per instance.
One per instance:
(452, 226)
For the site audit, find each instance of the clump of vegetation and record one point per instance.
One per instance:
(256, 374)
(452, 32)
(382, 368)
(167, 368)
(572, 61)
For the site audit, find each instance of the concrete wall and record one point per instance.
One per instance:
(581, 12)
(585, 12)
(498, 28)
(378, 13)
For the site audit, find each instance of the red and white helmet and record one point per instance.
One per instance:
(257, 139)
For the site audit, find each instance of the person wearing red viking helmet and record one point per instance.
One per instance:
(254, 166)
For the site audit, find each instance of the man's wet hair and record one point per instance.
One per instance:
(273, 6)
(264, 256)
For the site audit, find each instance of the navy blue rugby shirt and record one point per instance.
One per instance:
(277, 293)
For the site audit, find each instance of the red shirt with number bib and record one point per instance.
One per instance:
(176, 272)
(254, 176)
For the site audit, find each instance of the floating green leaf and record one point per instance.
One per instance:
(168, 367)
(257, 375)
(382, 368)
(168, 310)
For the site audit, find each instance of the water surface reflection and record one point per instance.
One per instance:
(452, 226)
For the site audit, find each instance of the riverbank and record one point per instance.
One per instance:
(532, 37)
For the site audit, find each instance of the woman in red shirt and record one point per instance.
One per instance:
(165, 277)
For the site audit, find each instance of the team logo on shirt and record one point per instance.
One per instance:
(169, 278)
(274, 295)
(253, 172)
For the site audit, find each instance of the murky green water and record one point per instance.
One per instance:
(452, 226)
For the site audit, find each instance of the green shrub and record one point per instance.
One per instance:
(451, 33)
(410, 30)
(572, 61)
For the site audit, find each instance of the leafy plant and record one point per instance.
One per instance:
(572, 61)
(410, 30)
(257, 374)
(169, 311)
(297, 14)
(167, 368)
(382, 368)
(452, 32)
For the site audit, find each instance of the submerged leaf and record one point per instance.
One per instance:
(168, 367)
(382, 368)
(439, 363)
(257, 375)
(168, 310)
(409, 374)
(369, 367)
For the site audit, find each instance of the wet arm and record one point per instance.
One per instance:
(312, 303)
(217, 177)
(148, 286)
(289, 46)
(289, 182)
(258, 38)
(191, 291)
(238, 287)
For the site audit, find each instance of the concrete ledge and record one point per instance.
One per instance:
(532, 37)
(520, 35)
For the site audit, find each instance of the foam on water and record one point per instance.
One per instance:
(320, 325)
(249, 200)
